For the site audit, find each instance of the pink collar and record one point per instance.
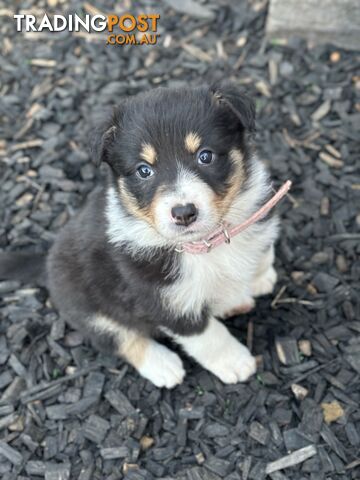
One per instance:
(225, 233)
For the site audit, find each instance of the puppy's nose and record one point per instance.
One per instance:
(184, 214)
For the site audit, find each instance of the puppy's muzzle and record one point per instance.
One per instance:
(184, 214)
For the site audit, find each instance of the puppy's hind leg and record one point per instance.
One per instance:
(266, 276)
(152, 360)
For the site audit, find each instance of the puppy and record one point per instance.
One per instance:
(181, 164)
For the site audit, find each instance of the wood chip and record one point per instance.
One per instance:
(6, 12)
(335, 57)
(11, 454)
(331, 161)
(273, 71)
(241, 41)
(167, 41)
(146, 442)
(311, 289)
(341, 263)
(24, 199)
(24, 129)
(353, 464)
(197, 52)
(120, 402)
(263, 88)
(2, 144)
(333, 151)
(299, 456)
(37, 142)
(57, 471)
(112, 453)
(305, 347)
(332, 411)
(321, 111)
(95, 429)
(220, 50)
(42, 62)
(287, 351)
(200, 459)
(325, 206)
(127, 467)
(7, 46)
(8, 420)
(259, 433)
(299, 392)
(297, 276)
(17, 425)
(35, 107)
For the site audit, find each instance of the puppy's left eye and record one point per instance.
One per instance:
(144, 171)
(205, 157)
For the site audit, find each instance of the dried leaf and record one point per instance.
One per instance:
(332, 411)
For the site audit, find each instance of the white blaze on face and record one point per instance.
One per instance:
(189, 188)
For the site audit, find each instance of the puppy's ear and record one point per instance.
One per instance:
(102, 138)
(229, 96)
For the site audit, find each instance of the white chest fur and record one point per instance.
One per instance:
(222, 278)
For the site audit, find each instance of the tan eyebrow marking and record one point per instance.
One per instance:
(148, 153)
(192, 142)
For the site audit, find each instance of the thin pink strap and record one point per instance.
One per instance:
(224, 235)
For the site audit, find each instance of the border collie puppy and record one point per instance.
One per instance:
(182, 164)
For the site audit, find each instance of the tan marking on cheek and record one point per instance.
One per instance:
(236, 155)
(130, 203)
(154, 204)
(148, 153)
(223, 202)
(192, 142)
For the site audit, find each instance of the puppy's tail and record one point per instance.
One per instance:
(24, 267)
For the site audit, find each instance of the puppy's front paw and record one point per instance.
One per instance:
(162, 366)
(264, 284)
(234, 364)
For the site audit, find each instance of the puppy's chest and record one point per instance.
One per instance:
(219, 270)
(208, 278)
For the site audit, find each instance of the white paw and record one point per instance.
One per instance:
(162, 366)
(265, 283)
(234, 364)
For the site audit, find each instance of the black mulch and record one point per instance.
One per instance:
(68, 413)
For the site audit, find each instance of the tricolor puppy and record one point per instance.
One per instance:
(181, 166)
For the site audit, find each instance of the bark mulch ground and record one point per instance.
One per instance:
(67, 412)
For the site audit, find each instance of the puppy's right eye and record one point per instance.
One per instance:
(205, 157)
(144, 171)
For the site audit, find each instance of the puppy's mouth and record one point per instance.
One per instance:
(178, 233)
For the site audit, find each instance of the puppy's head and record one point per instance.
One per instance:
(179, 157)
